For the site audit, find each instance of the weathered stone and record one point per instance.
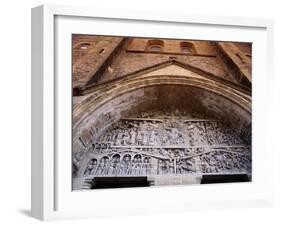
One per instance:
(169, 110)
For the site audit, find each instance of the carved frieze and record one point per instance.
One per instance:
(158, 143)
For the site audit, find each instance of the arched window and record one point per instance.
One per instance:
(155, 45)
(187, 47)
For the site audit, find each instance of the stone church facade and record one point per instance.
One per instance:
(160, 112)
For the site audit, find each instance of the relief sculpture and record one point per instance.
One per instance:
(156, 111)
(145, 146)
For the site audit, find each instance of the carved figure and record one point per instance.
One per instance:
(91, 167)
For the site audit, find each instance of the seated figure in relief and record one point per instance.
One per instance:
(146, 169)
(136, 165)
(114, 165)
(103, 166)
(92, 165)
(125, 166)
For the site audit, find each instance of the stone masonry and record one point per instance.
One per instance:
(170, 111)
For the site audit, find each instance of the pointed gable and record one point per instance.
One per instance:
(173, 69)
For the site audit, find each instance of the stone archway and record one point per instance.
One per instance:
(186, 102)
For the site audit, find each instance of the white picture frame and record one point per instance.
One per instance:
(52, 197)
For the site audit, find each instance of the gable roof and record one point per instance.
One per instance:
(170, 67)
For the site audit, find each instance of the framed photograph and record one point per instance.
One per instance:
(136, 113)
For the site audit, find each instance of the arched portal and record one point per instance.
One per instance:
(159, 125)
